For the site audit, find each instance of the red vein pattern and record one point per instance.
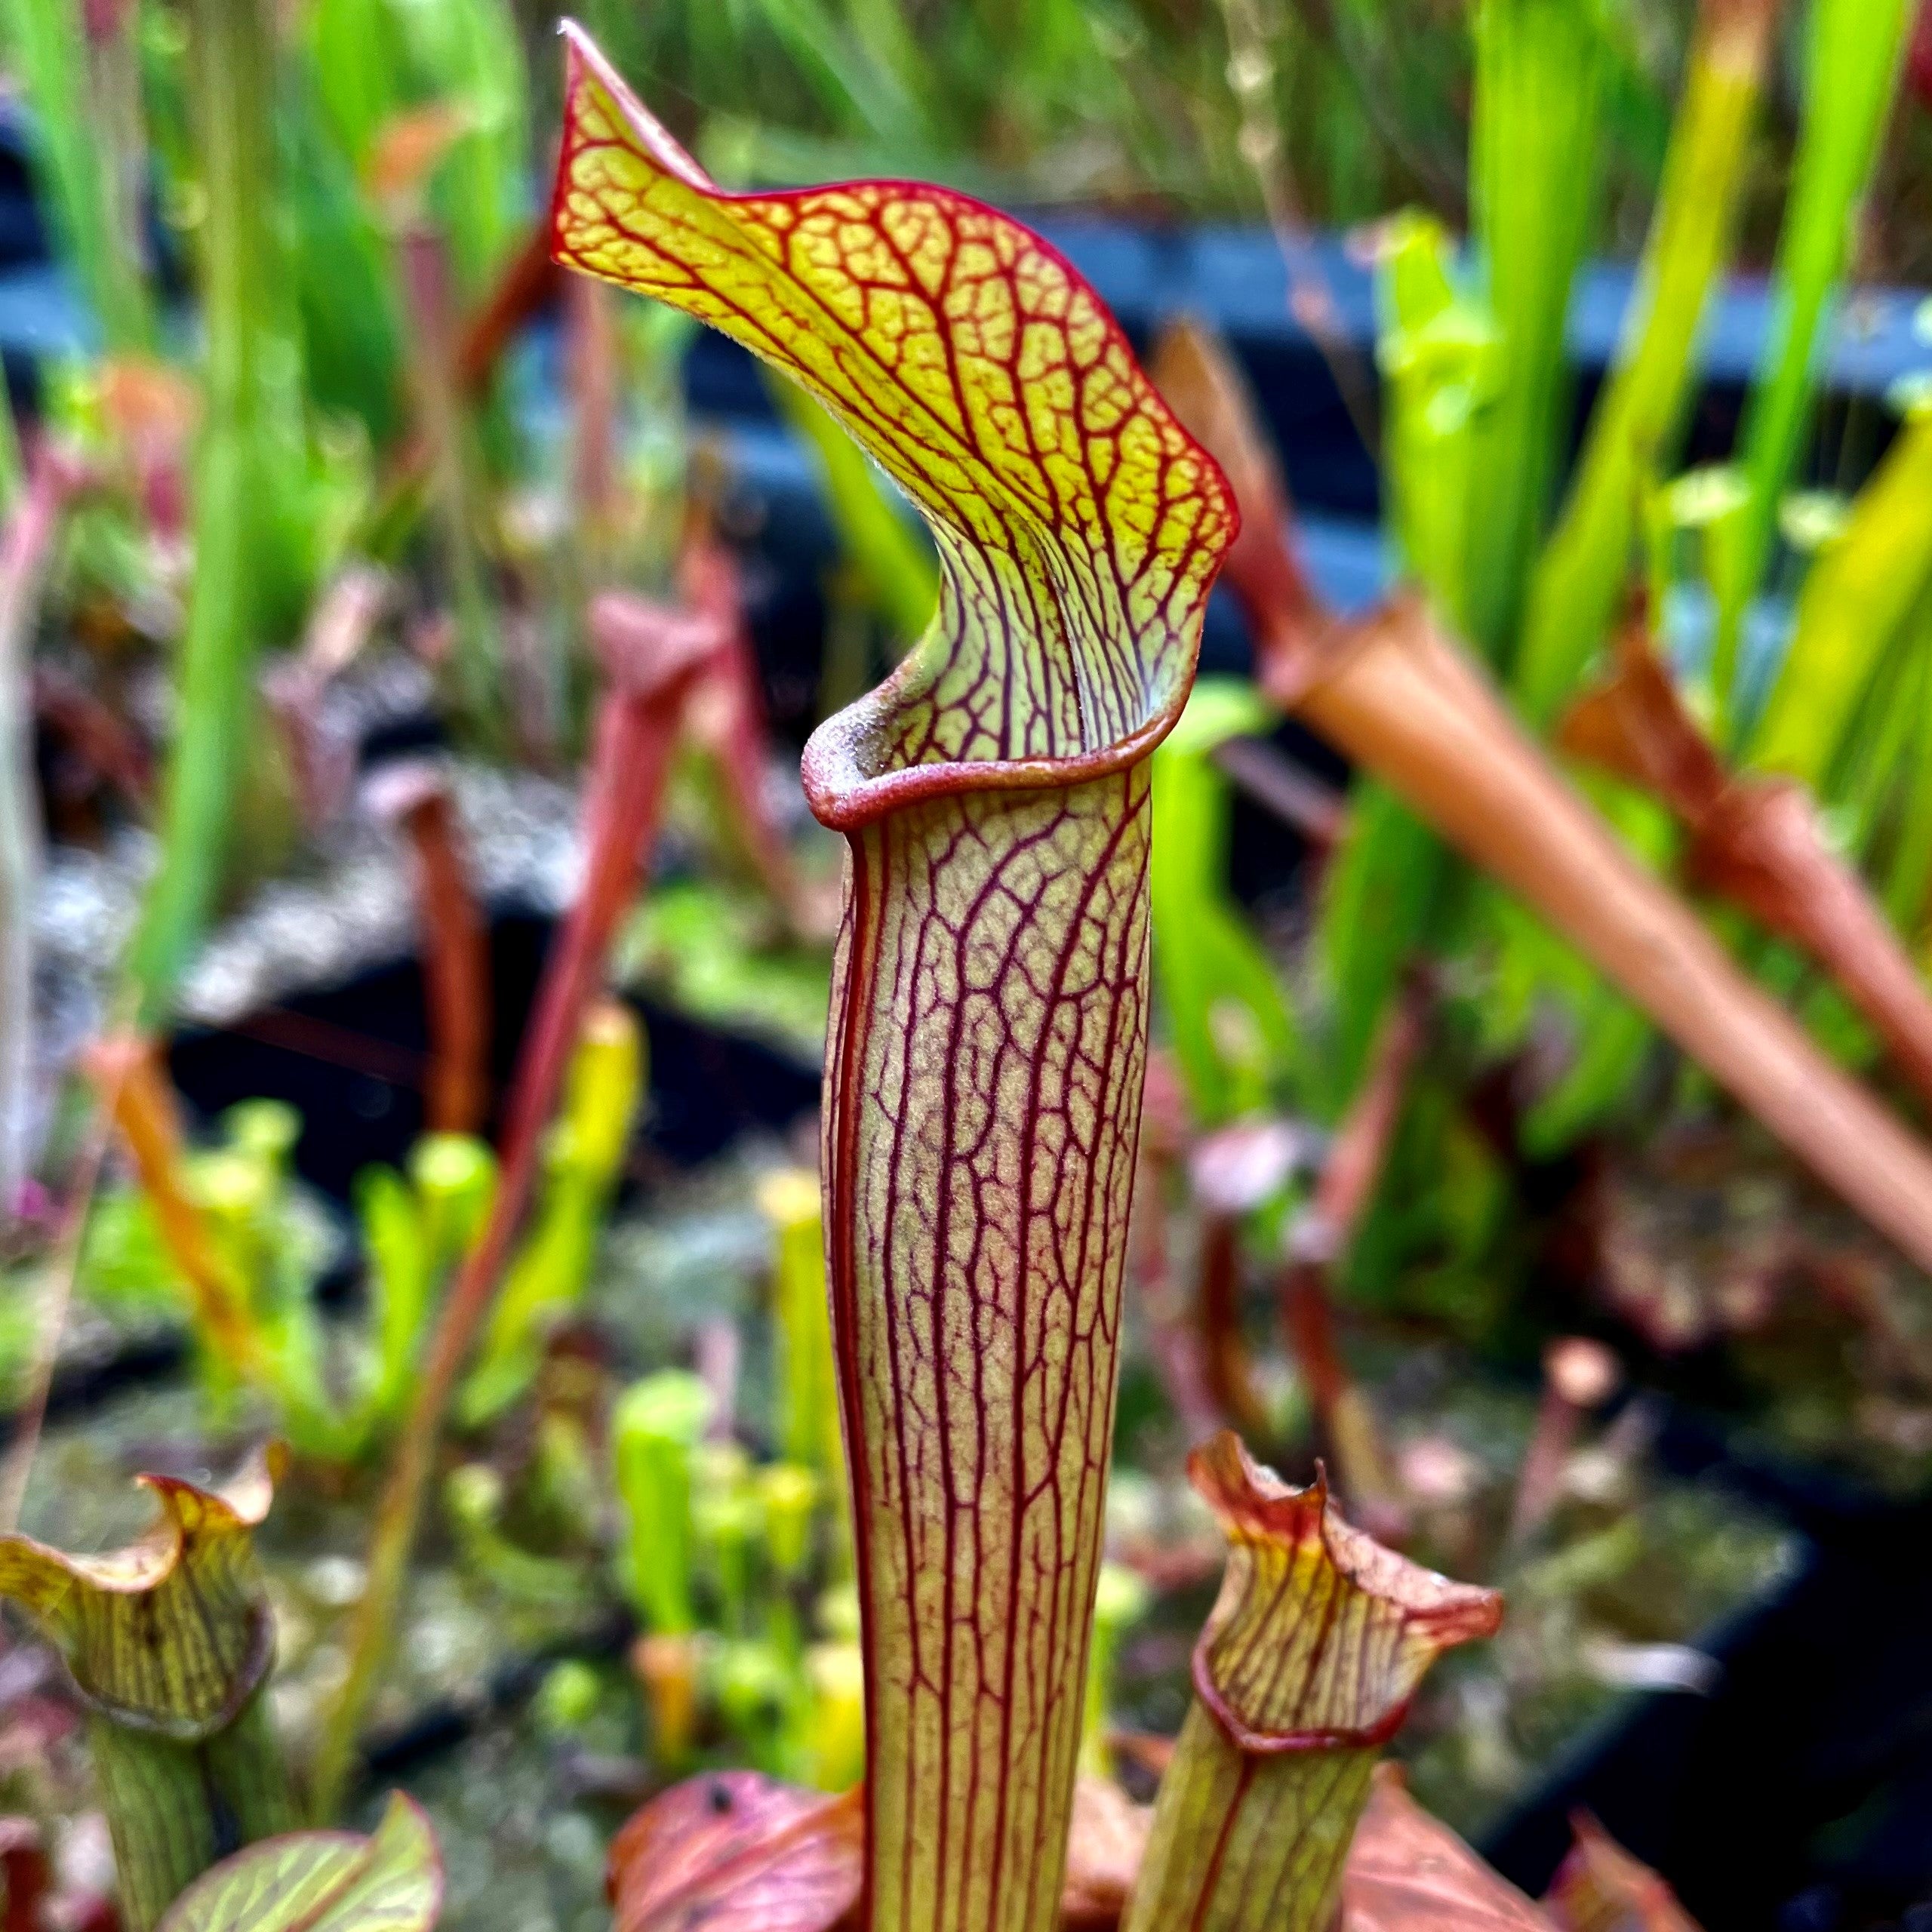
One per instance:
(989, 1016)
(1320, 1635)
(1305, 1668)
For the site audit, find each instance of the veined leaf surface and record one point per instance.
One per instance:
(989, 1017)
(172, 1633)
(322, 1881)
(735, 1851)
(1304, 1669)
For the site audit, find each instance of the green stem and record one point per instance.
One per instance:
(1539, 87)
(1854, 50)
(234, 525)
(1280, 1829)
(87, 149)
(175, 1807)
(1587, 561)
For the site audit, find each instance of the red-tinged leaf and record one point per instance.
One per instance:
(1600, 1888)
(25, 1878)
(322, 1881)
(989, 1015)
(172, 1634)
(726, 715)
(1757, 842)
(1634, 723)
(1105, 1849)
(733, 1851)
(1305, 1667)
(1763, 848)
(415, 795)
(1320, 1635)
(1405, 702)
(1409, 1872)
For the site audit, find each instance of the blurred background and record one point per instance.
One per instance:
(332, 510)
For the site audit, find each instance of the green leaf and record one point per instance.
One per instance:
(1586, 562)
(1305, 1669)
(1232, 1031)
(988, 1043)
(172, 1634)
(323, 1882)
(1539, 78)
(1853, 51)
(1861, 590)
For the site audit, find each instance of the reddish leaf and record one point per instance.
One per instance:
(416, 795)
(1635, 725)
(1108, 1841)
(1409, 1872)
(1600, 1888)
(1757, 842)
(733, 1851)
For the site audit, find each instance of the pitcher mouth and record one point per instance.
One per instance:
(978, 368)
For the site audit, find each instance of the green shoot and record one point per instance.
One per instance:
(1232, 1031)
(1854, 49)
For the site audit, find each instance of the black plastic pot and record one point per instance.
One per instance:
(1799, 1794)
(351, 1058)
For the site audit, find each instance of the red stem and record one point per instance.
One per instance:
(1175, 1344)
(1217, 1307)
(456, 953)
(456, 972)
(732, 718)
(1349, 1176)
(652, 664)
(591, 367)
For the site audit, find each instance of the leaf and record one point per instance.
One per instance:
(1409, 1872)
(1758, 842)
(735, 1851)
(1231, 1028)
(1600, 1888)
(1637, 421)
(1541, 75)
(1105, 1849)
(1320, 1635)
(1854, 50)
(1304, 1669)
(989, 1011)
(323, 1882)
(172, 1633)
